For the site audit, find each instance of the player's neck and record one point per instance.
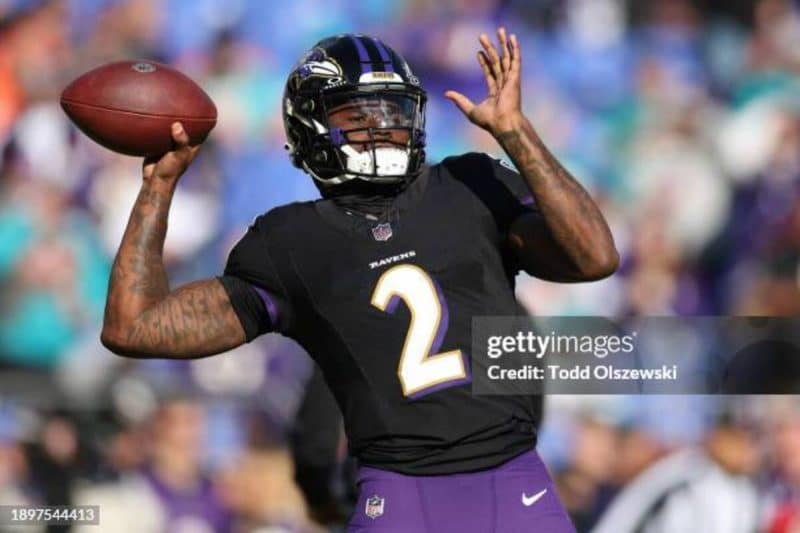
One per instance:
(371, 207)
(367, 199)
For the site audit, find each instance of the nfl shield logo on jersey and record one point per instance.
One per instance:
(374, 507)
(382, 232)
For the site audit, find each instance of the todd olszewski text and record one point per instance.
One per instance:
(583, 373)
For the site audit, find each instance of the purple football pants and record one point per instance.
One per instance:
(515, 497)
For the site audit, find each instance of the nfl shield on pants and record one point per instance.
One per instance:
(374, 507)
(516, 497)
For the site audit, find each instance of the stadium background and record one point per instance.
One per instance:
(682, 118)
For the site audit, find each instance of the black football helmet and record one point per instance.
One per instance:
(372, 86)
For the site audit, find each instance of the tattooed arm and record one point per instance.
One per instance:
(569, 240)
(142, 317)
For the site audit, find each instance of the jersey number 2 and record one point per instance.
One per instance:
(419, 367)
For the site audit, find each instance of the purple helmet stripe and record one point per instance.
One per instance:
(385, 57)
(363, 56)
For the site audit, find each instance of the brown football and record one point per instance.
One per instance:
(129, 107)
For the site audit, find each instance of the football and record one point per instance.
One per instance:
(129, 107)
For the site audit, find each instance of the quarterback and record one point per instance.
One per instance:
(379, 281)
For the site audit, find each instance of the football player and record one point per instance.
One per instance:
(379, 281)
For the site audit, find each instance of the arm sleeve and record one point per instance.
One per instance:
(254, 286)
(495, 183)
(513, 181)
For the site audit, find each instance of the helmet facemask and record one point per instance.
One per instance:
(376, 135)
(373, 133)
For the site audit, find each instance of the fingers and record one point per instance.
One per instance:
(181, 139)
(494, 60)
(498, 67)
(179, 135)
(505, 59)
(516, 56)
(462, 102)
(170, 165)
(491, 83)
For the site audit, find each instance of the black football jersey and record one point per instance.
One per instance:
(385, 309)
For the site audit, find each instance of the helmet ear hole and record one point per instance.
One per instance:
(294, 145)
(307, 106)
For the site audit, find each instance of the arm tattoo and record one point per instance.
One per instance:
(194, 321)
(142, 318)
(575, 224)
(138, 278)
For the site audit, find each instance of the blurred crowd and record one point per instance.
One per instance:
(681, 117)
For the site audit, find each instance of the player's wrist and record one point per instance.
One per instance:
(511, 122)
(160, 185)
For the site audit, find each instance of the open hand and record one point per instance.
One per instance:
(502, 72)
(170, 166)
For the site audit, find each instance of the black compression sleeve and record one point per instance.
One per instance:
(248, 305)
